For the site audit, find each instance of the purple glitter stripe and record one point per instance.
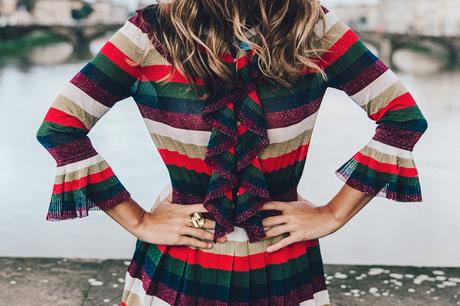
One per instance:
(373, 191)
(77, 150)
(403, 139)
(83, 212)
(369, 75)
(177, 120)
(292, 116)
(92, 89)
(154, 288)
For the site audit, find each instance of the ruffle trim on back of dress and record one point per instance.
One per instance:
(237, 188)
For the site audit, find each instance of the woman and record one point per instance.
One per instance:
(232, 122)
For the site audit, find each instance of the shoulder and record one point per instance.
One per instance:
(136, 31)
(330, 24)
(146, 19)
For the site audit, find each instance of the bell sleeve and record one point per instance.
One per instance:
(84, 180)
(385, 165)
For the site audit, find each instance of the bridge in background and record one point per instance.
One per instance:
(79, 35)
(386, 44)
(447, 47)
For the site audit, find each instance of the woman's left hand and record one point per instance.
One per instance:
(301, 219)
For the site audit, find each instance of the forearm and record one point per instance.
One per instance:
(347, 203)
(128, 214)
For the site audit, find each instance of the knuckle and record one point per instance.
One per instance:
(197, 243)
(182, 229)
(178, 239)
(204, 234)
(210, 223)
(185, 220)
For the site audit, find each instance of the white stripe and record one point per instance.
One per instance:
(330, 19)
(387, 149)
(82, 99)
(238, 234)
(134, 286)
(94, 160)
(375, 88)
(289, 132)
(199, 138)
(135, 35)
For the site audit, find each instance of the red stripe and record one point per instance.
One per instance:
(156, 72)
(181, 160)
(384, 167)
(229, 195)
(403, 101)
(254, 97)
(335, 51)
(239, 263)
(256, 163)
(241, 129)
(275, 163)
(241, 190)
(119, 58)
(83, 181)
(57, 116)
(244, 60)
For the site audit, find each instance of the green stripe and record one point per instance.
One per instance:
(239, 279)
(347, 60)
(405, 114)
(51, 128)
(117, 74)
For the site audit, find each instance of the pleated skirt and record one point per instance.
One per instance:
(234, 272)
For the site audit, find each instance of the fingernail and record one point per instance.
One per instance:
(268, 249)
(210, 245)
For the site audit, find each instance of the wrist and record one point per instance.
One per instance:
(337, 218)
(137, 227)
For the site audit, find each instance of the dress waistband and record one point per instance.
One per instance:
(239, 233)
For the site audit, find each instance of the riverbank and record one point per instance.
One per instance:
(19, 47)
(86, 282)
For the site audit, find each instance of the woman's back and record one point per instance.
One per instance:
(234, 151)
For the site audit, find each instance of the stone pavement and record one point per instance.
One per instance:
(83, 282)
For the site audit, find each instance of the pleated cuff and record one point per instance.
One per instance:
(79, 187)
(379, 169)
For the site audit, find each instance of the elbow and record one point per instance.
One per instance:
(45, 134)
(423, 125)
(40, 134)
(418, 128)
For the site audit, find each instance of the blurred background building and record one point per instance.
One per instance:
(60, 12)
(434, 17)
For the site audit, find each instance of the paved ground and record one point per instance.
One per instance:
(72, 282)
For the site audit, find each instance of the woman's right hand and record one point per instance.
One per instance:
(170, 224)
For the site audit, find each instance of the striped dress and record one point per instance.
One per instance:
(232, 152)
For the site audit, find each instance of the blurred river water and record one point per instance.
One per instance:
(384, 232)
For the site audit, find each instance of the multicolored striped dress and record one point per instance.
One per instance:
(233, 152)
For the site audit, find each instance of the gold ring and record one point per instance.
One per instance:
(197, 219)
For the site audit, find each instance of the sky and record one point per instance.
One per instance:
(133, 3)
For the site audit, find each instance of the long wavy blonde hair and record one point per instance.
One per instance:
(284, 40)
